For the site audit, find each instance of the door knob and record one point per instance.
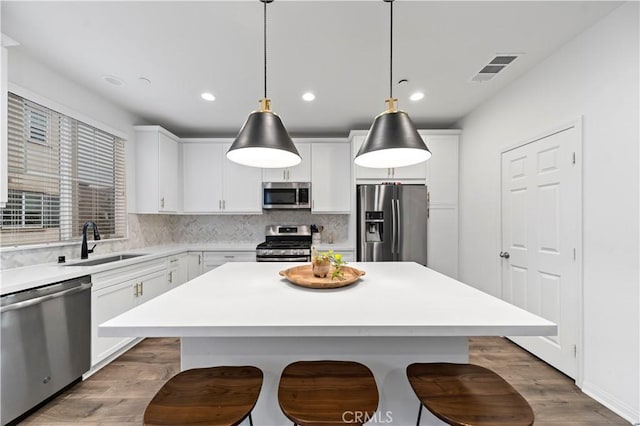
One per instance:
(505, 254)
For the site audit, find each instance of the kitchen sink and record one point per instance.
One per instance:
(109, 259)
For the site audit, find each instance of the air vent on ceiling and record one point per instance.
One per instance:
(496, 65)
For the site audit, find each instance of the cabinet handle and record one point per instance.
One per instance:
(174, 260)
(142, 289)
(219, 204)
(393, 172)
(284, 174)
(224, 204)
(199, 259)
(288, 174)
(229, 256)
(162, 202)
(136, 293)
(170, 277)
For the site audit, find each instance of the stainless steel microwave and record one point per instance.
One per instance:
(286, 195)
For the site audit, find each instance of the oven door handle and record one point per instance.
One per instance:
(283, 259)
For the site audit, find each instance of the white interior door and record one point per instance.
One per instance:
(541, 234)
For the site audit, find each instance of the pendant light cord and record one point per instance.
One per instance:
(391, 49)
(265, 49)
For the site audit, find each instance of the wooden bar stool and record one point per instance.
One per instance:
(220, 396)
(327, 392)
(468, 395)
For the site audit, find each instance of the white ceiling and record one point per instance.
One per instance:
(337, 49)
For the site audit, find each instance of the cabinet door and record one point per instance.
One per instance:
(177, 272)
(442, 182)
(299, 173)
(442, 174)
(167, 173)
(331, 177)
(202, 177)
(242, 187)
(194, 265)
(152, 285)
(105, 304)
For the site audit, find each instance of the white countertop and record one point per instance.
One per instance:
(392, 299)
(26, 277)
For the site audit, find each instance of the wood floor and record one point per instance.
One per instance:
(119, 393)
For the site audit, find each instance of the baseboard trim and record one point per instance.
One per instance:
(624, 410)
(110, 358)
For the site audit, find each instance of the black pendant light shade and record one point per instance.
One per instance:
(263, 142)
(393, 140)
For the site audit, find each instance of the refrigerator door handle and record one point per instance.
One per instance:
(394, 227)
(398, 227)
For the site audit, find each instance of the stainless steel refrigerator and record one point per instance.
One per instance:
(392, 223)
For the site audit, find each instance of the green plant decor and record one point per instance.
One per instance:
(335, 259)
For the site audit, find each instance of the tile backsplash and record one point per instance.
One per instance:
(250, 228)
(152, 230)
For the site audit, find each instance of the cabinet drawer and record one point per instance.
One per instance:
(117, 275)
(218, 258)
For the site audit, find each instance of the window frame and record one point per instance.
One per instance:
(68, 210)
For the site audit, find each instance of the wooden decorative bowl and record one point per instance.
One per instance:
(303, 276)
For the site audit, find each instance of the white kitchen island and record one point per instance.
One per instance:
(397, 314)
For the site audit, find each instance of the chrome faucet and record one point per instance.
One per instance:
(84, 253)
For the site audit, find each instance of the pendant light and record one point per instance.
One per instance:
(393, 140)
(263, 141)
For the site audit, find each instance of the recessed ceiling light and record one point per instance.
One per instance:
(208, 96)
(416, 96)
(112, 79)
(308, 96)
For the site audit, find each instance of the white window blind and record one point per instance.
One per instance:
(62, 173)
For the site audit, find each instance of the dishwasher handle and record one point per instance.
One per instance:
(41, 299)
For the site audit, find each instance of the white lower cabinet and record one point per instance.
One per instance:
(115, 292)
(213, 259)
(194, 264)
(177, 270)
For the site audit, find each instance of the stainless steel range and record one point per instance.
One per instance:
(285, 243)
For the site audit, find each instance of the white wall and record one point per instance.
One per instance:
(596, 76)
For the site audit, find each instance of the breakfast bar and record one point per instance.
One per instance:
(398, 313)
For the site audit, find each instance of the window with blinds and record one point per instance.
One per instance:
(62, 173)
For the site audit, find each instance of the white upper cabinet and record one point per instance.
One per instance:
(213, 184)
(412, 174)
(442, 168)
(299, 173)
(242, 186)
(157, 171)
(202, 175)
(331, 177)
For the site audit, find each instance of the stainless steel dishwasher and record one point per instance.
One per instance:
(46, 343)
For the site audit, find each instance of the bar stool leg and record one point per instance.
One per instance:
(419, 414)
